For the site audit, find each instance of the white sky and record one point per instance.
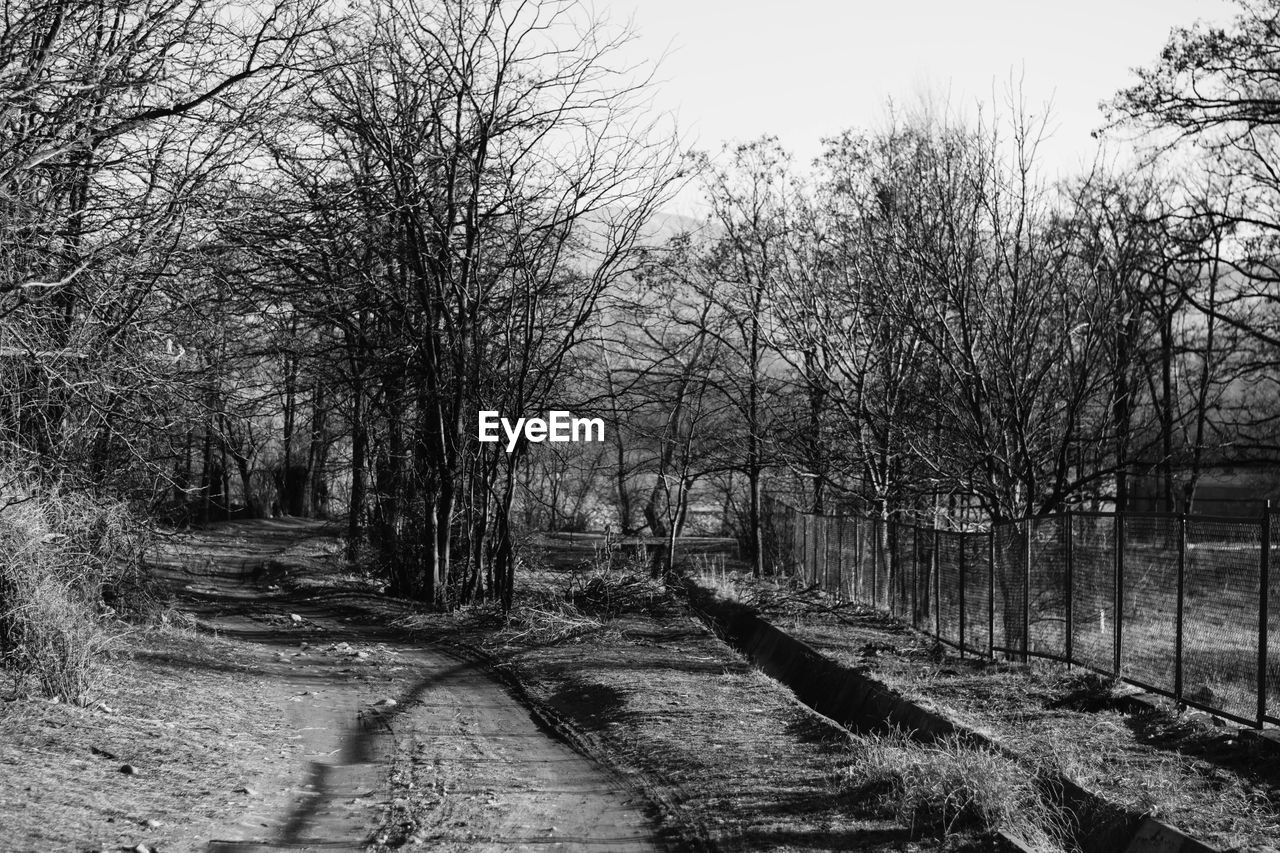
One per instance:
(804, 69)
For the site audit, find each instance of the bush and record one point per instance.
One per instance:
(67, 565)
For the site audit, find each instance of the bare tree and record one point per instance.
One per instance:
(116, 122)
(503, 167)
(1216, 89)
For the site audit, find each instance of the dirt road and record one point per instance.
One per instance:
(384, 744)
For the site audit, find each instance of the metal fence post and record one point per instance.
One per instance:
(787, 536)
(1178, 625)
(822, 540)
(937, 583)
(1068, 647)
(857, 559)
(804, 547)
(784, 518)
(900, 569)
(833, 564)
(786, 521)
(915, 575)
(810, 534)
(811, 556)
(991, 592)
(798, 539)
(963, 543)
(1026, 595)
(782, 537)
(904, 569)
(811, 547)
(1264, 585)
(839, 556)
(875, 562)
(819, 564)
(787, 516)
(891, 568)
(1118, 598)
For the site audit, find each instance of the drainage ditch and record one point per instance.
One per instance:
(864, 705)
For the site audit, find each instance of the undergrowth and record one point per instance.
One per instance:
(68, 565)
(557, 605)
(946, 787)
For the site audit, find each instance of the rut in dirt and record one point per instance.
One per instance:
(385, 744)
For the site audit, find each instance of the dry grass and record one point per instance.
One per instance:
(727, 757)
(181, 707)
(731, 760)
(561, 605)
(545, 616)
(68, 565)
(1200, 777)
(945, 787)
(54, 637)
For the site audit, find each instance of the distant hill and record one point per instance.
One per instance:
(662, 226)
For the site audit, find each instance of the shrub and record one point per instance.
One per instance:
(67, 565)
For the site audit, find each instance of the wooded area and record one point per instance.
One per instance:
(273, 259)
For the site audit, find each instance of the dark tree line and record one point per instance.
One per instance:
(274, 258)
(919, 324)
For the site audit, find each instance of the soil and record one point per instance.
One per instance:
(280, 720)
(736, 761)
(727, 758)
(284, 704)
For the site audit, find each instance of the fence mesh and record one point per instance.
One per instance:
(903, 567)
(780, 538)
(922, 543)
(948, 583)
(1052, 590)
(1272, 707)
(1010, 548)
(878, 543)
(848, 561)
(820, 543)
(1093, 614)
(813, 549)
(795, 544)
(833, 555)
(835, 559)
(1047, 598)
(808, 547)
(977, 592)
(866, 560)
(1220, 641)
(819, 550)
(1149, 628)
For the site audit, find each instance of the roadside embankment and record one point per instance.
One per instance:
(848, 691)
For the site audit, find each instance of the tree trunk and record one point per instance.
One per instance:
(359, 451)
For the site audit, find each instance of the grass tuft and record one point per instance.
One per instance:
(68, 566)
(948, 787)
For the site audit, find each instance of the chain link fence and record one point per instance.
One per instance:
(1183, 605)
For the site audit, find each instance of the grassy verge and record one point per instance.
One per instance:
(944, 788)
(155, 760)
(1188, 769)
(730, 760)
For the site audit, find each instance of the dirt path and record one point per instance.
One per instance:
(371, 727)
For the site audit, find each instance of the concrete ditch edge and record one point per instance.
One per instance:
(860, 703)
